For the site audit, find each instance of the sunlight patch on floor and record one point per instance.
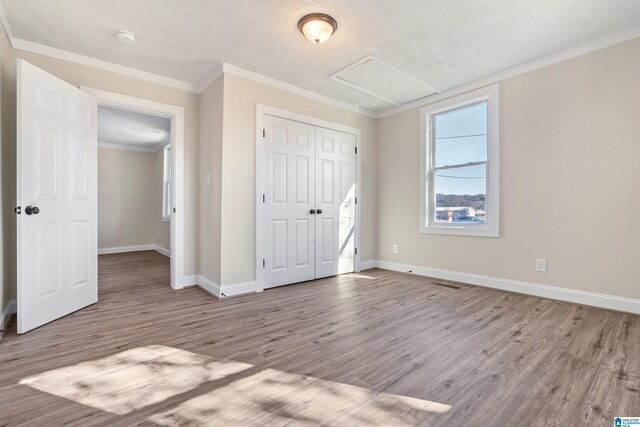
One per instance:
(359, 276)
(134, 378)
(275, 397)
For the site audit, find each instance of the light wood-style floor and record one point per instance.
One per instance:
(376, 347)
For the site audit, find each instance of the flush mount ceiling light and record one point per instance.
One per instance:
(317, 27)
(125, 36)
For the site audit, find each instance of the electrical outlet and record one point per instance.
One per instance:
(395, 249)
(541, 265)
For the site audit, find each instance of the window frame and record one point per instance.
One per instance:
(491, 227)
(166, 182)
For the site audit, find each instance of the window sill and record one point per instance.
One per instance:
(452, 230)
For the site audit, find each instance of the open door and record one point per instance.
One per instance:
(57, 196)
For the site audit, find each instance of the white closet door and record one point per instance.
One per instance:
(56, 188)
(335, 202)
(289, 197)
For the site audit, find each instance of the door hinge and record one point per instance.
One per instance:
(356, 200)
(174, 210)
(263, 198)
(18, 210)
(356, 251)
(264, 133)
(263, 263)
(356, 150)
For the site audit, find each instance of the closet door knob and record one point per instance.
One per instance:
(32, 210)
(312, 211)
(319, 211)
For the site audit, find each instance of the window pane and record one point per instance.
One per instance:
(461, 135)
(167, 199)
(460, 194)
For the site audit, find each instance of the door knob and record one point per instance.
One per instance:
(31, 210)
(312, 211)
(319, 211)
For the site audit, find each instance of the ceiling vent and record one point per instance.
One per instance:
(387, 83)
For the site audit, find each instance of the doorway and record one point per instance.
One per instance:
(134, 182)
(56, 193)
(307, 214)
(171, 241)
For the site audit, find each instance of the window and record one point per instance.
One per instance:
(459, 165)
(166, 185)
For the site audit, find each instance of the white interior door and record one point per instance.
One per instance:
(309, 202)
(57, 192)
(289, 152)
(335, 202)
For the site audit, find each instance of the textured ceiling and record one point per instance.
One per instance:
(130, 128)
(443, 43)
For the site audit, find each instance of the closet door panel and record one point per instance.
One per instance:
(289, 245)
(335, 195)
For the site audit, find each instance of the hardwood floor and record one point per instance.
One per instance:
(373, 348)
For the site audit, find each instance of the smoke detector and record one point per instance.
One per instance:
(126, 37)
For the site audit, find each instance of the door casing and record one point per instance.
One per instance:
(261, 110)
(176, 115)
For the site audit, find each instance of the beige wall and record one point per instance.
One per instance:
(238, 169)
(127, 197)
(8, 155)
(569, 143)
(80, 75)
(211, 113)
(570, 174)
(6, 291)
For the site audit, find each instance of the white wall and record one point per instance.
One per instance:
(570, 174)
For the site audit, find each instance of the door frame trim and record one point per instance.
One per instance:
(261, 111)
(176, 114)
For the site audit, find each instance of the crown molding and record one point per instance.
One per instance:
(100, 64)
(209, 78)
(64, 55)
(76, 58)
(278, 84)
(604, 42)
(5, 24)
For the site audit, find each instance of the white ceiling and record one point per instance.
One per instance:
(131, 129)
(442, 43)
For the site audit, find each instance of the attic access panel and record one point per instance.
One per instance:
(383, 81)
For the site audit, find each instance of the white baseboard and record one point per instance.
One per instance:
(368, 265)
(9, 309)
(218, 291)
(209, 286)
(238, 288)
(136, 248)
(123, 249)
(611, 302)
(191, 280)
(164, 251)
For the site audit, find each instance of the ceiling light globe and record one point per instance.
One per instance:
(317, 27)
